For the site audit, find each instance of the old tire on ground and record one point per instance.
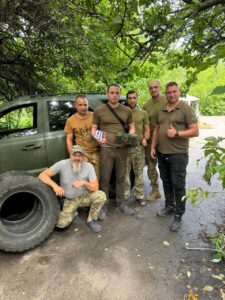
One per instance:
(28, 212)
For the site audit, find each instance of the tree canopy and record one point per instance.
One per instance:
(44, 44)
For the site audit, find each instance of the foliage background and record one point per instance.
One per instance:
(65, 45)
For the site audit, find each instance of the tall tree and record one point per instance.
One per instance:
(93, 41)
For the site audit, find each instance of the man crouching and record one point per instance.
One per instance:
(79, 186)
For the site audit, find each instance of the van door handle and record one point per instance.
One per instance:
(31, 147)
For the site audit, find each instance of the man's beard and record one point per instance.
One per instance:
(132, 106)
(76, 167)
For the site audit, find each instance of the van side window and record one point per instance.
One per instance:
(58, 112)
(19, 121)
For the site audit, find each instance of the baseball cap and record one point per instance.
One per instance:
(77, 148)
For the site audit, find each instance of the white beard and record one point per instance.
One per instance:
(76, 167)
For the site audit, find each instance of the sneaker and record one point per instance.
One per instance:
(102, 214)
(168, 210)
(155, 194)
(93, 225)
(125, 209)
(176, 225)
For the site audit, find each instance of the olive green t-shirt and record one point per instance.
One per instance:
(105, 121)
(153, 107)
(181, 117)
(140, 118)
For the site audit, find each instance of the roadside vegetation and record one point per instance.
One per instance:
(214, 152)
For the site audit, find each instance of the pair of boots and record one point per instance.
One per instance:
(176, 224)
(124, 208)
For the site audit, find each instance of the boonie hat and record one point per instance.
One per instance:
(77, 148)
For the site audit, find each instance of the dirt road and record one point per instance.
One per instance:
(132, 258)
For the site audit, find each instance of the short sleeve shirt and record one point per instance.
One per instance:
(152, 108)
(81, 130)
(180, 118)
(105, 120)
(67, 176)
(140, 118)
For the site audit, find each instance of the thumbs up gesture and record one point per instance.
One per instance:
(171, 131)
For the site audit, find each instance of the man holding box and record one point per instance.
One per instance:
(113, 151)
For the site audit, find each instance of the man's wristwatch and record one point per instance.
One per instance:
(177, 134)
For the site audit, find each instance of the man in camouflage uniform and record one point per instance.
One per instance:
(79, 186)
(153, 106)
(136, 154)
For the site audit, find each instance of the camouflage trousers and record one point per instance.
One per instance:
(135, 160)
(152, 171)
(93, 158)
(95, 200)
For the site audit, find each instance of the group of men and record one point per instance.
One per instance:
(123, 137)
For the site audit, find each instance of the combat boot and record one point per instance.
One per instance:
(168, 210)
(176, 225)
(125, 209)
(155, 194)
(103, 213)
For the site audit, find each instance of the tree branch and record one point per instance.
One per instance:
(204, 6)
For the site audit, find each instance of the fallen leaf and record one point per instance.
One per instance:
(208, 288)
(188, 274)
(191, 295)
(151, 267)
(220, 277)
(216, 260)
(165, 243)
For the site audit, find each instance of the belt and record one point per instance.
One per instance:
(135, 146)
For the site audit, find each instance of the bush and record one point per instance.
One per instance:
(214, 106)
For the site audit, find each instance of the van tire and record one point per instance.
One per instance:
(28, 212)
(9, 174)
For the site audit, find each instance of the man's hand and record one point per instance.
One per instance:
(58, 190)
(144, 142)
(98, 135)
(153, 153)
(102, 141)
(171, 131)
(78, 183)
(45, 177)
